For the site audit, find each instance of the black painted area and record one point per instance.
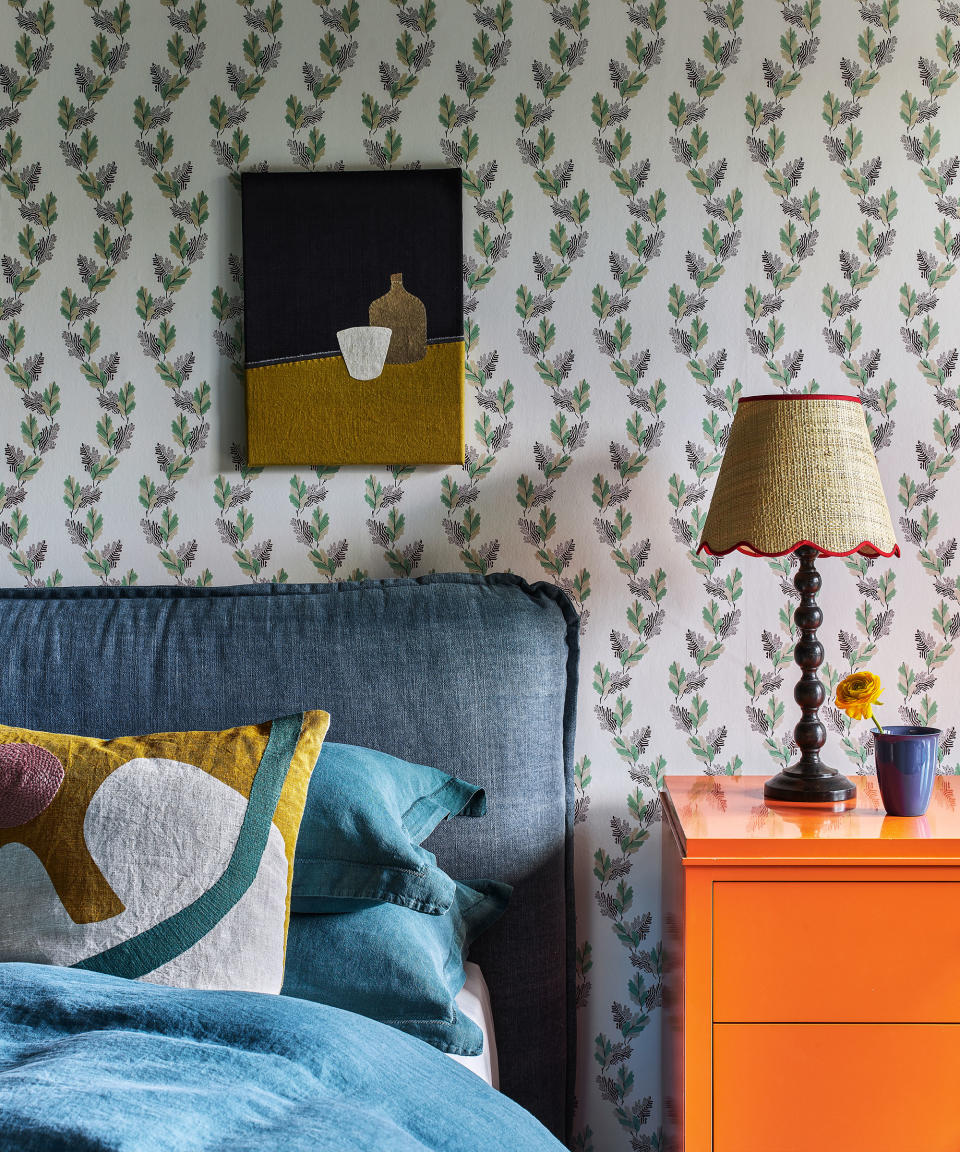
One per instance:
(318, 247)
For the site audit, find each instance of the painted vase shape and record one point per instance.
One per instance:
(405, 315)
(906, 759)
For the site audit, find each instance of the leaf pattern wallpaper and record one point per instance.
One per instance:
(668, 204)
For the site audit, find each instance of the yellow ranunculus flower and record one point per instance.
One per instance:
(857, 694)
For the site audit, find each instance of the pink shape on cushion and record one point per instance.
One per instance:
(30, 777)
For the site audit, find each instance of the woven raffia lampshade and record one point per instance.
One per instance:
(799, 470)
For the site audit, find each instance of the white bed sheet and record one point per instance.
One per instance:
(473, 1001)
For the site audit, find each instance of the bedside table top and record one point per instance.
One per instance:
(726, 817)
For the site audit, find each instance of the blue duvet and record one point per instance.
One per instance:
(92, 1063)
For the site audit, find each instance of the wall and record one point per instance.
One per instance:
(667, 204)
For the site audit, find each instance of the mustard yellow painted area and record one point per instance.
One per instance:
(314, 412)
(232, 756)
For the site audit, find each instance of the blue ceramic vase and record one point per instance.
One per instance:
(906, 760)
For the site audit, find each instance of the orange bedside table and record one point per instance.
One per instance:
(811, 989)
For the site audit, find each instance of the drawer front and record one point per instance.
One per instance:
(821, 951)
(858, 1088)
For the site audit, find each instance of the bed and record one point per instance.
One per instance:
(474, 675)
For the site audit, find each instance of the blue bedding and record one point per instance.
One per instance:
(92, 1063)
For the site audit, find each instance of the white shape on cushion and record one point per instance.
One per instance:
(244, 951)
(156, 867)
(162, 832)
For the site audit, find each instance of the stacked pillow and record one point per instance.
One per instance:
(366, 816)
(378, 928)
(175, 858)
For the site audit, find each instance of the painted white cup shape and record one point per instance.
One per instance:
(364, 350)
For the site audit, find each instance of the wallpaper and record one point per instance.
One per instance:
(668, 204)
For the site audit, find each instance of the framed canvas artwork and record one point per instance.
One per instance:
(353, 317)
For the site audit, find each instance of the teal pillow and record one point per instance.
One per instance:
(366, 816)
(396, 966)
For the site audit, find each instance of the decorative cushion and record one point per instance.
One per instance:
(395, 965)
(367, 814)
(167, 857)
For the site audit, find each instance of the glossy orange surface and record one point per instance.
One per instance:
(809, 989)
(726, 817)
(890, 1088)
(839, 935)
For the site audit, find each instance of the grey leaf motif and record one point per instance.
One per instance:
(758, 342)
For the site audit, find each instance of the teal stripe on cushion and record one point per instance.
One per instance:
(170, 938)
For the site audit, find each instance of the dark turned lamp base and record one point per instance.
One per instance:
(793, 787)
(809, 781)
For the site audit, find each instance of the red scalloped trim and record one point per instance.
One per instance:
(800, 396)
(800, 544)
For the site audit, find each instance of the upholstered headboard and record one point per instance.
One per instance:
(474, 675)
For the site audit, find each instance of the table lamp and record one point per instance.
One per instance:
(799, 475)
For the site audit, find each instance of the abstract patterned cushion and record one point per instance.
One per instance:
(166, 857)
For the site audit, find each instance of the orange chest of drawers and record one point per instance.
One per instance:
(812, 972)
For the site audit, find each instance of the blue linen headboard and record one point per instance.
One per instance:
(475, 675)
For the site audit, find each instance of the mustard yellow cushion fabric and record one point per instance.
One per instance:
(166, 857)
